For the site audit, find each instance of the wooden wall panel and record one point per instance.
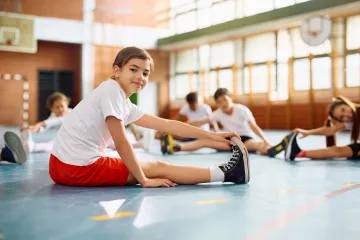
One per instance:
(68, 9)
(259, 113)
(140, 13)
(278, 117)
(50, 56)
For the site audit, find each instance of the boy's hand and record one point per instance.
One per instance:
(35, 128)
(157, 182)
(223, 136)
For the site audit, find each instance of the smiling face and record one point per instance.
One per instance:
(343, 113)
(133, 76)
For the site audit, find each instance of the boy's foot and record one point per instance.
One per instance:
(237, 170)
(292, 149)
(273, 151)
(14, 150)
(167, 143)
(27, 141)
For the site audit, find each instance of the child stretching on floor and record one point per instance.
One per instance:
(343, 115)
(233, 117)
(78, 159)
(16, 149)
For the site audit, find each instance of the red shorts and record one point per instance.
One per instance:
(105, 171)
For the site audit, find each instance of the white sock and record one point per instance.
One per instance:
(216, 174)
(27, 141)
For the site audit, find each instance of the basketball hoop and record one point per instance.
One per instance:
(314, 33)
(9, 42)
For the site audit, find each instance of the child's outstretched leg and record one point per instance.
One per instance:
(169, 146)
(235, 170)
(31, 146)
(13, 151)
(294, 151)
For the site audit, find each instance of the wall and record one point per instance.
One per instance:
(140, 13)
(50, 56)
(104, 58)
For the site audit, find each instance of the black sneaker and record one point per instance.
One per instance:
(275, 150)
(167, 143)
(14, 144)
(292, 149)
(237, 170)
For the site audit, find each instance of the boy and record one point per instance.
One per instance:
(233, 117)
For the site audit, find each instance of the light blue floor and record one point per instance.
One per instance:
(299, 200)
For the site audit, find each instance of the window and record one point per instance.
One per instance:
(186, 61)
(284, 47)
(252, 7)
(281, 92)
(260, 48)
(222, 54)
(321, 73)
(211, 84)
(226, 79)
(185, 22)
(353, 32)
(301, 74)
(181, 85)
(224, 11)
(259, 78)
(204, 56)
(353, 70)
(283, 3)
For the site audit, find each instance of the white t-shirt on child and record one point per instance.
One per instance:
(84, 136)
(53, 121)
(203, 111)
(237, 121)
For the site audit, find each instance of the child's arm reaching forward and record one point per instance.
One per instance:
(125, 150)
(181, 129)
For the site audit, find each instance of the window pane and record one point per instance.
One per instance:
(204, 52)
(185, 22)
(259, 77)
(181, 85)
(172, 89)
(195, 82)
(283, 3)
(301, 74)
(224, 11)
(186, 61)
(353, 32)
(204, 17)
(180, 6)
(321, 73)
(239, 9)
(222, 54)
(353, 70)
(301, 49)
(253, 7)
(284, 49)
(240, 89)
(281, 93)
(211, 84)
(226, 79)
(260, 48)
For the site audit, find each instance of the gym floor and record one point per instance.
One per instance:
(283, 200)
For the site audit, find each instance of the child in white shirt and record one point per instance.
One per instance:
(233, 117)
(78, 158)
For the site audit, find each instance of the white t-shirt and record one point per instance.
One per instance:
(237, 121)
(203, 111)
(53, 121)
(84, 136)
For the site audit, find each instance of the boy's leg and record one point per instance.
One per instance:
(27, 141)
(43, 147)
(235, 170)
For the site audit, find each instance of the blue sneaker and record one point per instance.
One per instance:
(14, 151)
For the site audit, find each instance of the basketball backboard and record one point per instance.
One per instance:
(17, 33)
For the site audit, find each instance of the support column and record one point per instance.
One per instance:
(87, 53)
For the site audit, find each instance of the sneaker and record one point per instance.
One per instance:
(292, 149)
(27, 141)
(273, 151)
(237, 170)
(14, 150)
(167, 143)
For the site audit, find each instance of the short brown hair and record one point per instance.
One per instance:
(55, 97)
(192, 98)
(221, 92)
(128, 53)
